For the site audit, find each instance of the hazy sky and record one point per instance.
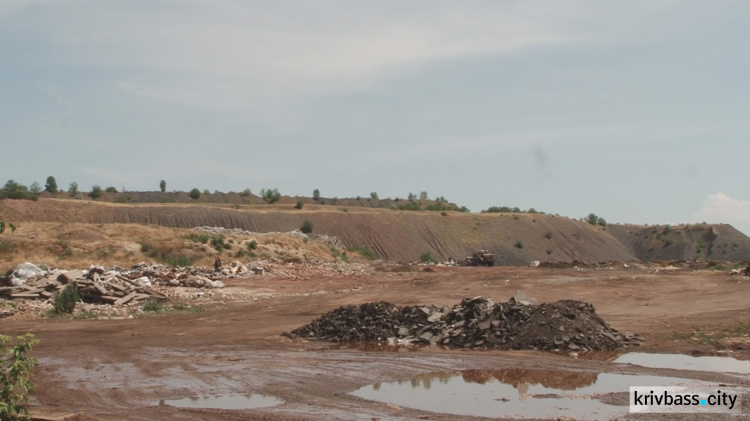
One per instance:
(636, 111)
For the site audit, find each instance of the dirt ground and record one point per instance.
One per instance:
(122, 369)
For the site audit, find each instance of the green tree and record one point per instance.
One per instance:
(374, 195)
(15, 377)
(316, 195)
(307, 227)
(73, 189)
(299, 204)
(602, 222)
(35, 188)
(51, 185)
(96, 192)
(423, 196)
(163, 186)
(592, 219)
(195, 193)
(270, 196)
(111, 189)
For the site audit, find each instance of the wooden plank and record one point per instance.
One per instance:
(70, 276)
(125, 299)
(108, 298)
(100, 288)
(153, 293)
(22, 295)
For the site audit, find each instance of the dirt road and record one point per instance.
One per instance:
(124, 369)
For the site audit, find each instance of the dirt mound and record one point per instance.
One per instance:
(474, 323)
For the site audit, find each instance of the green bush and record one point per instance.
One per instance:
(15, 377)
(299, 205)
(307, 227)
(426, 257)
(548, 235)
(195, 193)
(252, 245)
(518, 245)
(96, 192)
(65, 301)
(111, 189)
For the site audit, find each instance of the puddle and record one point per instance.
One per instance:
(517, 393)
(224, 402)
(686, 362)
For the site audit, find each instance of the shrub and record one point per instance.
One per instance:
(548, 235)
(316, 195)
(15, 376)
(195, 193)
(426, 257)
(307, 227)
(518, 245)
(299, 205)
(96, 192)
(252, 245)
(374, 196)
(111, 189)
(163, 186)
(65, 301)
(592, 219)
(246, 193)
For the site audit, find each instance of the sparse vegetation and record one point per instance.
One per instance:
(548, 235)
(307, 227)
(364, 252)
(252, 245)
(153, 306)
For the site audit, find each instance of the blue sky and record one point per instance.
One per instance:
(635, 111)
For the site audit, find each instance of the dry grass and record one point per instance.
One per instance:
(78, 245)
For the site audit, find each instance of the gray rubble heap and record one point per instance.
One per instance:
(474, 323)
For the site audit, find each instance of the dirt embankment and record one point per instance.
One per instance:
(516, 239)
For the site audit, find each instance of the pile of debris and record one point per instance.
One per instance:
(474, 323)
(94, 286)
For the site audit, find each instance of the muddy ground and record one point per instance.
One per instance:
(122, 369)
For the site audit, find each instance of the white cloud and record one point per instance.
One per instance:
(721, 208)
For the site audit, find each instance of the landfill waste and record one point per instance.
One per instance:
(477, 323)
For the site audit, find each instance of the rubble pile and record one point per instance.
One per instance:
(473, 323)
(94, 286)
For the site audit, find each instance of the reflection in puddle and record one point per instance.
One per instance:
(224, 402)
(515, 392)
(686, 362)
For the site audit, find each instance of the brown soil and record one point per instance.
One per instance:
(121, 369)
(515, 239)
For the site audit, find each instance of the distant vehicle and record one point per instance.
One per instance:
(480, 258)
